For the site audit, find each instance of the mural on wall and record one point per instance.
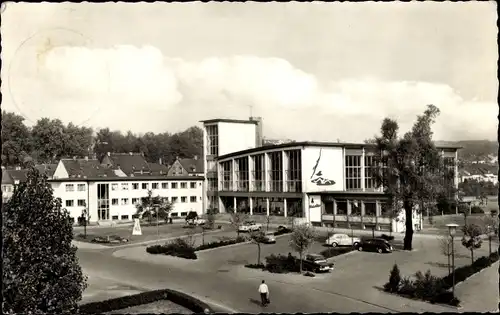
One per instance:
(316, 176)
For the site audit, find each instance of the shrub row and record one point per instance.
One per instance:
(336, 251)
(222, 242)
(462, 273)
(282, 264)
(177, 248)
(123, 302)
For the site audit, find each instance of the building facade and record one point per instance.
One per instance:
(321, 183)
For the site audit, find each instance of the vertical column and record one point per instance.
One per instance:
(266, 172)
(250, 203)
(334, 207)
(363, 170)
(362, 204)
(284, 167)
(233, 175)
(285, 207)
(456, 178)
(234, 205)
(267, 206)
(250, 174)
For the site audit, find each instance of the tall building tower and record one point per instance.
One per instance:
(220, 137)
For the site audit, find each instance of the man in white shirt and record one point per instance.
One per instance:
(264, 293)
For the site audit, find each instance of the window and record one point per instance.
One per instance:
(183, 185)
(135, 186)
(385, 209)
(192, 199)
(124, 217)
(370, 208)
(370, 169)
(193, 184)
(183, 199)
(114, 202)
(213, 140)
(353, 172)
(258, 172)
(355, 207)
(81, 203)
(227, 175)
(135, 201)
(124, 201)
(183, 214)
(276, 171)
(174, 214)
(70, 203)
(174, 185)
(341, 207)
(81, 187)
(164, 185)
(241, 174)
(174, 199)
(154, 185)
(145, 186)
(212, 184)
(293, 173)
(70, 187)
(124, 186)
(114, 186)
(114, 217)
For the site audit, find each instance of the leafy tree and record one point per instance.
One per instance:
(411, 169)
(49, 140)
(394, 280)
(472, 238)
(268, 220)
(301, 239)
(210, 218)
(151, 206)
(40, 267)
(16, 143)
(236, 220)
(78, 141)
(258, 238)
(445, 247)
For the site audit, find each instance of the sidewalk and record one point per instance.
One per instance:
(479, 293)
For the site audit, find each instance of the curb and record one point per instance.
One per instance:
(477, 273)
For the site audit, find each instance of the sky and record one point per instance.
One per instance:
(313, 71)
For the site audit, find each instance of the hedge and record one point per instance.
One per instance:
(177, 248)
(336, 251)
(220, 243)
(123, 302)
(462, 273)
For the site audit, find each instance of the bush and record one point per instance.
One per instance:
(427, 286)
(100, 240)
(465, 272)
(445, 297)
(309, 274)
(336, 251)
(406, 287)
(255, 266)
(394, 280)
(221, 242)
(282, 264)
(476, 210)
(178, 248)
(387, 237)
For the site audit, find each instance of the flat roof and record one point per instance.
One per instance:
(236, 121)
(127, 179)
(312, 144)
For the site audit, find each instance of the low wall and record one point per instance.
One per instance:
(123, 302)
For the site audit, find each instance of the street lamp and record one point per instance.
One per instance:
(452, 228)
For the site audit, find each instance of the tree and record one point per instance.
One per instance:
(41, 273)
(445, 247)
(16, 142)
(301, 239)
(77, 141)
(150, 206)
(258, 238)
(210, 219)
(394, 280)
(236, 220)
(268, 220)
(411, 169)
(48, 140)
(472, 238)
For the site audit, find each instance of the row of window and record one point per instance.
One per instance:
(342, 207)
(125, 201)
(127, 217)
(135, 186)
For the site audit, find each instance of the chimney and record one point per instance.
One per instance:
(109, 154)
(195, 157)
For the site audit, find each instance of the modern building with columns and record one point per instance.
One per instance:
(324, 183)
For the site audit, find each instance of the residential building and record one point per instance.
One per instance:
(186, 167)
(321, 183)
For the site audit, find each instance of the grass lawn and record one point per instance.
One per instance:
(158, 307)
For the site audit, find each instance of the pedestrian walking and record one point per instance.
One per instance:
(264, 293)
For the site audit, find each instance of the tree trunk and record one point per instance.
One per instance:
(258, 255)
(300, 262)
(472, 254)
(408, 207)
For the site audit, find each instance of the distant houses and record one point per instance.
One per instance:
(480, 176)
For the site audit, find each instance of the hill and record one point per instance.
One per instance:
(474, 149)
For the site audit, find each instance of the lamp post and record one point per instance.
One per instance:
(452, 228)
(490, 229)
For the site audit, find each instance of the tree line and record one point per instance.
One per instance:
(48, 140)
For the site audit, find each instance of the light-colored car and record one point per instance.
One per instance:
(342, 240)
(249, 226)
(269, 238)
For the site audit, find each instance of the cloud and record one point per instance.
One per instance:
(139, 79)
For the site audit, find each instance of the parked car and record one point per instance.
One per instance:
(342, 240)
(316, 263)
(269, 238)
(249, 226)
(375, 245)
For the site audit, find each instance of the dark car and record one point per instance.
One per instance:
(316, 263)
(375, 245)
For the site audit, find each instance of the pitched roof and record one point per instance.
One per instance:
(87, 168)
(192, 165)
(6, 179)
(47, 169)
(158, 169)
(129, 162)
(19, 175)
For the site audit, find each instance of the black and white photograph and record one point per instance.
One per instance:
(249, 157)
